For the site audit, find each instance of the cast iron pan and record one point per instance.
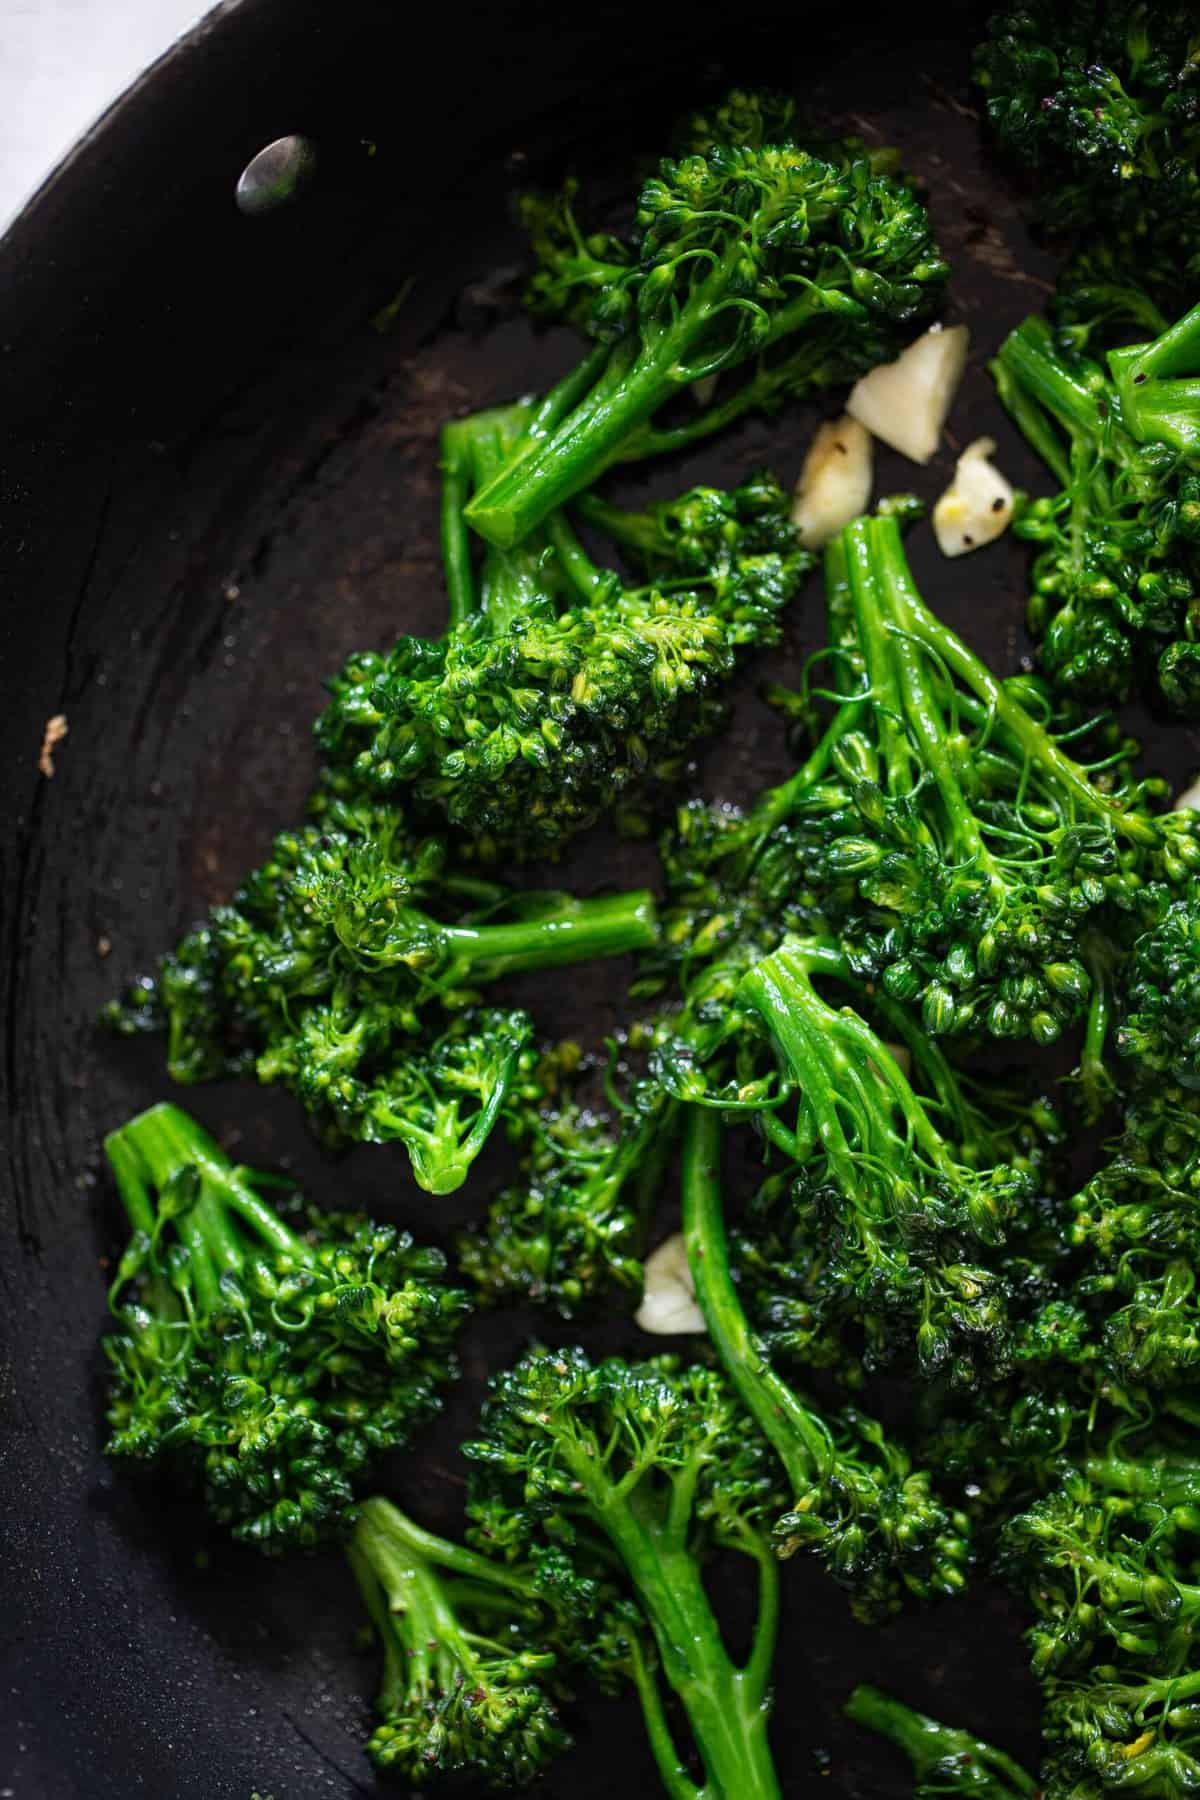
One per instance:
(220, 478)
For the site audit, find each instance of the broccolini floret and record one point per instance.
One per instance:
(857, 1502)
(270, 1354)
(636, 1471)
(768, 259)
(1102, 99)
(904, 1220)
(347, 969)
(558, 694)
(1116, 581)
(468, 1671)
(942, 826)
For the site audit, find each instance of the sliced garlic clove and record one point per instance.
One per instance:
(978, 504)
(835, 482)
(668, 1297)
(905, 402)
(1189, 800)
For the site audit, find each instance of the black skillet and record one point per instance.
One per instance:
(219, 477)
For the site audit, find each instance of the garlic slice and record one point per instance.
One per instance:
(905, 402)
(978, 504)
(668, 1298)
(1189, 800)
(835, 482)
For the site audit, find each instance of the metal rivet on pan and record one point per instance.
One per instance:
(276, 175)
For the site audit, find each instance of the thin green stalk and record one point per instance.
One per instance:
(1029, 354)
(168, 1141)
(674, 1776)
(819, 1067)
(381, 1522)
(1169, 1480)
(1032, 739)
(727, 1718)
(809, 366)
(583, 574)
(549, 412)
(927, 1743)
(878, 657)
(1032, 421)
(1172, 353)
(926, 723)
(760, 1665)
(130, 1173)
(800, 1441)
(456, 538)
(609, 925)
(636, 382)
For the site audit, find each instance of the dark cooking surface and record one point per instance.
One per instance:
(222, 479)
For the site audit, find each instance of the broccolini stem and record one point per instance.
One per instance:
(456, 539)
(554, 405)
(382, 1522)
(1097, 1083)
(1032, 422)
(771, 988)
(129, 1170)
(800, 1441)
(631, 530)
(926, 723)
(1172, 1481)
(840, 632)
(581, 931)
(1160, 397)
(759, 1667)
(878, 652)
(1031, 738)
(574, 560)
(927, 1743)
(675, 1778)
(394, 1579)
(819, 956)
(810, 365)
(640, 375)
(724, 1709)
(1028, 354)
(169, 1143)
(842, 1040)
(185, 1205)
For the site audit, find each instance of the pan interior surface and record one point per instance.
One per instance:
(223, 479)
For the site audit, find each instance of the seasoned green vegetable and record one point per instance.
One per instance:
(797, 271)
(348, 968)
(271, 1353)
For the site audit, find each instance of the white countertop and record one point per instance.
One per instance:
(62, 63)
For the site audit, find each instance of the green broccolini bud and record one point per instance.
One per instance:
(824, 259)
(558, 694)
(337, 956)
(1103, 100)
(467, 1663)
(1116, 580)
(906, 1221)
(633, 1471)
(573, 1230)
(271, 1359)
(1159, 1030)
(856, 1501)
